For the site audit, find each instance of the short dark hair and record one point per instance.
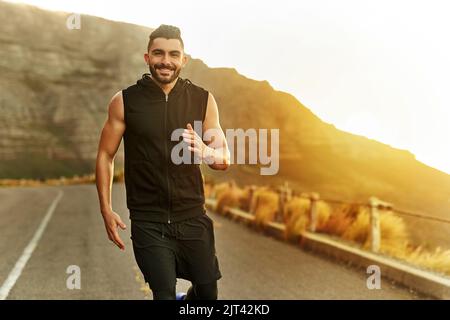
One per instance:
(165, 31)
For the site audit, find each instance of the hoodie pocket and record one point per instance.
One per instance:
(188, 187)
(143, 184)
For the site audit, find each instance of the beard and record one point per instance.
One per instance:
(154, 71)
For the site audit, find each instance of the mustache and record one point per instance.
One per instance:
(164, 66)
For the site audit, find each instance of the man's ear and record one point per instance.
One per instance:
(146, 58)
(185, 60)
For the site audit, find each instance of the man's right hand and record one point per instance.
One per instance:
(112, 223)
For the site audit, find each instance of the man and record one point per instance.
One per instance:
(171, 233)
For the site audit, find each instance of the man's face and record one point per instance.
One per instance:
(165, 59)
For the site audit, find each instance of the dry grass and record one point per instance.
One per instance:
(340, 219)
(219, 188)
(438, 260)
(296, 215)
(229, 197)
(266, 206)
(394, 236)
(61, 181)
(352, 223)
(246, 197)
(254, 199)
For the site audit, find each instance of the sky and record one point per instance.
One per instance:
(375, 68)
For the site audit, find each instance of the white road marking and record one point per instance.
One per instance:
(28, 251)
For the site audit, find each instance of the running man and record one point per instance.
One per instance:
(172, 235)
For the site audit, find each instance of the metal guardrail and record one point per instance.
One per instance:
(375, 205)
(394, 209)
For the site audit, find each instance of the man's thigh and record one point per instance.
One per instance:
(197, 260)
(154, 255)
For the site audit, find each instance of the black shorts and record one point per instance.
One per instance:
(185, 249)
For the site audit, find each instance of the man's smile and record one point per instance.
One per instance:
(164, 71)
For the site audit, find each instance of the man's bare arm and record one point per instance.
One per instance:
(218, 155)
(215, 152)
(110, 139)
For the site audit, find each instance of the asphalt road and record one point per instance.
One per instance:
(45, 230)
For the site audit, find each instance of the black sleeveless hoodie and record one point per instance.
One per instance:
(157, 189)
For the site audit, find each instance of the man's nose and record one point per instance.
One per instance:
(166, 58)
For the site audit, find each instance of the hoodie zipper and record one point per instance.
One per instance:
(167, 167)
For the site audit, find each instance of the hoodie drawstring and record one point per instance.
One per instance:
(175, 229)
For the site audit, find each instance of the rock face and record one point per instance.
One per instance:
(56, 83)
(55, 86)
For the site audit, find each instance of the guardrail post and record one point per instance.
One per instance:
(314, 197)
(374, 225)
(253, 201)
(285, 195)
(375, 232)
